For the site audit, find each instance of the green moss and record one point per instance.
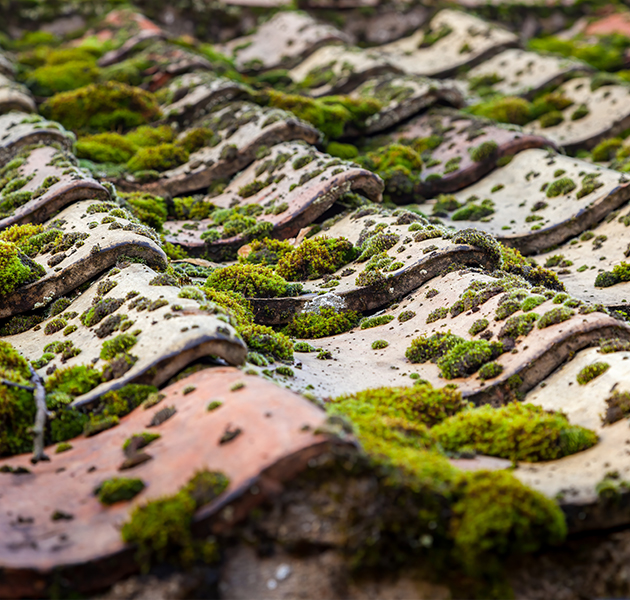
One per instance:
(619, 274)
(490, 370)
(331, 115)
(147, 135)
(551, 119)
(75, 381)
(17, 408)
(480, 239)
(589, 185)
(508, 109)
(379, 344)
(285, 371)
(376, 321)
(406, 315)
(196, 138)
(102, 107)
(607, 149)
(554, 316)
(444, 204)
(161, 529)
(531, 302)
(484, 151)
(100, 310)
(590, 372)
(518, 325)
(377, 243)
(255, 281)
(51, 79)
(467, 357)
(267, 251)
(121, 343)
(63, 447)
(315, 257)
(15, 270)
(312, 325)
(158, 158)
(105, 147)
(580, 112)
(147, 208)
(264, 339)
(516, 431)
(561, 186)
(346, 151)
(474, 212)
(423, 349)
(496, 515)
(140, 440)
(303, 347)
(478, 326)
(118, 489)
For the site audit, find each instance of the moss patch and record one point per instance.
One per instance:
(327, 322)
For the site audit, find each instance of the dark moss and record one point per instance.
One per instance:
(315, 257)
(268, 341)
(484, 151)
(561, 186)
(617, 407)
(467, 357)
(118, 489)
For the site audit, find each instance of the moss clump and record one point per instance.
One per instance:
(102, 107)
(75, 381)
(315, 257)
(490, 370)
(118, 489)
(330, 115)
(162, 528)
(100, 310)
(531, 302)
(140, 440)
(495, 515)
(590, 372)
(478, 326)
(551, 119)
(607, 149)
(346, 151)
(264, 339)
(619, 274)
(119, 345)
(377, 243)
(267, 252)
(254, 281)
(196, 138)
(516, 431)
(105, 148)
(303, 347)
(467, 357)
(406, 315)
(379, 344)
(445, 204)
(617, 407)
(509, 109)
(484, 151)
(52, 78)
(158, 158)
(423, 349)
(564, 185)
(480, 239)
(473, 211)
(554, 316)
(15, 268)
(17, 407)
(312, 325)
(376, 321)
(518, 325)
(147, 208)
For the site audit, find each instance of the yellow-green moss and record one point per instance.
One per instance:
(119, 489)
(161, 529)
(105, 147)
(266, 340)
(254, 281)
(102, 107)
(315, 257)
(267, 251)
(590, 372)
(158, 158)
(516, 431)
(326, 322)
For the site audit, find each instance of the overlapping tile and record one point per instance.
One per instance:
(160, 63)
(595, 113)
(88, 243)
(456, 162)
(14, 96)
(274, 441)
(293, 185)
(193, 94)
(592, 486)
(404, 96)
(482, 306)
(412, 252)
(340, 69)
(281, 42)
(242, 129)
(517, 72)
(453, 39)
(51, 181)
(586, 264)
(19, 129)
(165, 332)
(538, 200)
